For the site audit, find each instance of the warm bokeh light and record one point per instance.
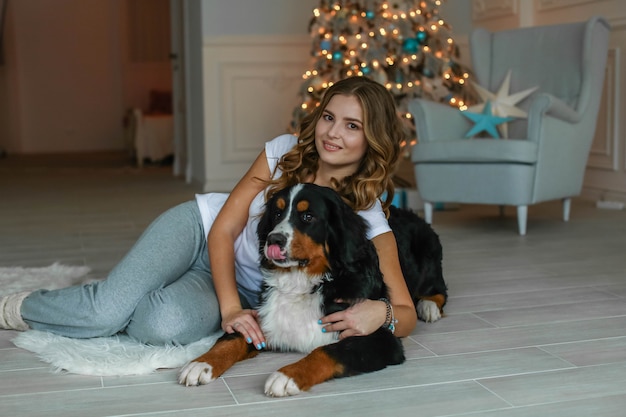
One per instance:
(404, 45)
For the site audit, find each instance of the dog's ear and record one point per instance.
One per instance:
(346, 232)
(353, 260)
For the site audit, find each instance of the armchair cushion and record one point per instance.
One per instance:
(476, 150)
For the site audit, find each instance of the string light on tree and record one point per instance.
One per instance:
(403, 44)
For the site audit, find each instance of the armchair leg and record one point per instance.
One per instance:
(502, 210)
(567, 204)
(428, 212)
(522, 215)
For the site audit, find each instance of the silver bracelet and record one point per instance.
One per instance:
(390, 319)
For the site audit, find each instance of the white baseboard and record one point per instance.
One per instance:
(595, 194)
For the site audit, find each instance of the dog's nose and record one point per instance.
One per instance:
(277, 239)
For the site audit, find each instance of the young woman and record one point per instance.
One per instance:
(196, 268)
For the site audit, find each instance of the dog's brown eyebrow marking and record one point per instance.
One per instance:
(302, 205)
(281, 203)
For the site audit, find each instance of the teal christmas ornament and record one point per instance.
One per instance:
(485, 122)
(410, 45)
(370, 14)
(337, 56)
(421, 36)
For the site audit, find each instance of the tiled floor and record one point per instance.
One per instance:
(535, 325)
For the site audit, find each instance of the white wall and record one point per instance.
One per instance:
(458, 15)
(255, 17)
(254, 54)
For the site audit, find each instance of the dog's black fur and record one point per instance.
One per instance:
(420, 253)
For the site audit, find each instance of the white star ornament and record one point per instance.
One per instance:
(503, 104)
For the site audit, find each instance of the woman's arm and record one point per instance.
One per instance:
(403, 307)
(227, 226)
(365, 317)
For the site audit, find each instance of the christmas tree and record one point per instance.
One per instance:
(402, 44)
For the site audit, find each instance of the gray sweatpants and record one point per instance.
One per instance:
(160, 293)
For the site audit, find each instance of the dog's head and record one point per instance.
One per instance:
(304, 224)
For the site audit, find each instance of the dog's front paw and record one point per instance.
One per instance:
(428, 311)
(280, 385)
(196, 373)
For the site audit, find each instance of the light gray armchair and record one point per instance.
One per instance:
(545, 155)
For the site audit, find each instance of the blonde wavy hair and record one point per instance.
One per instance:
(383, 132)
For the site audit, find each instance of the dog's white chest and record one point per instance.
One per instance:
(289, 316)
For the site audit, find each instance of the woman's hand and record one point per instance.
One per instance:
(246, 323)
(361, 319)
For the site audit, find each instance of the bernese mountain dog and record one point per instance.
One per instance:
(314, 252)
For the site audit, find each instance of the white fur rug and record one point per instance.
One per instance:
(106, 356)
(16, 279)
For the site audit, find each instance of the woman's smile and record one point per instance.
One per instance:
(330, 147)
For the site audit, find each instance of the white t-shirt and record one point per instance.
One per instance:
(247, 262)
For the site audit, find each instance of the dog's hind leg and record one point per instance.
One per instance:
(430, 308)
(228, 350)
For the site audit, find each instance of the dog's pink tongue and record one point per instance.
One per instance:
(273, 252)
